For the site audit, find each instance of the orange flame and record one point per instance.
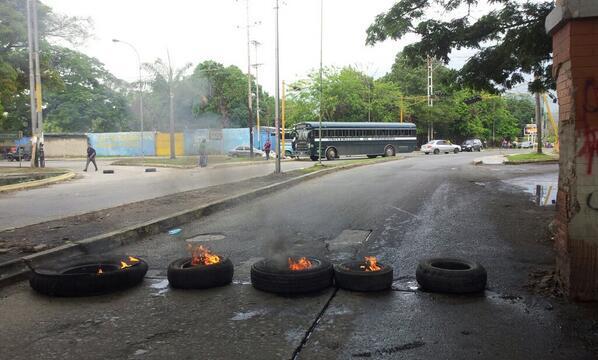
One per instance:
(133, 260)
(124, 265)
(301, 264)
(371, 264)
(202, 256)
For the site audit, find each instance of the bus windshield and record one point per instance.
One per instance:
(303, 134)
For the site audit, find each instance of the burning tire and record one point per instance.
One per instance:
(353, 276)
(451, 276)
(183, 275)
(89, 276)
(272, 276)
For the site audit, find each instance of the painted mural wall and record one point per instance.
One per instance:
(123, 143)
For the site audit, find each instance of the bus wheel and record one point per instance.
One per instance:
(389, 151)
(331, 153)
(313, 158)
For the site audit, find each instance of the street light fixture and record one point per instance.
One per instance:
(140, 93)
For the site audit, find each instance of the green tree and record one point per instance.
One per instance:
(83, 96)
(511, 41)
(521, 106)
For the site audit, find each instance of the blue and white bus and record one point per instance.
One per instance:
(354, 138)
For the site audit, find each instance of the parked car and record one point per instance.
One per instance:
(243, 151)
(525, 145)
(13, 155)
(472, 145)
(438, 146)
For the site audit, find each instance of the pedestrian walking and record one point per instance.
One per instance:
(267, 147)
(203, 153)
(91, 157)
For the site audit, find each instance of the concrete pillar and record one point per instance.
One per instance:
(573, 25)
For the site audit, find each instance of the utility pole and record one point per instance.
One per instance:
(538, 123)
(277, 92)
(249, 100)
(321, 86)
(35, 83)
(430, 96)
(257, 94)
(171, 93)
(283, 115)
(31, 77)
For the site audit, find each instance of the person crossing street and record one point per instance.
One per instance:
(91, 157)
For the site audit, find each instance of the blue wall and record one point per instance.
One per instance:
(123, 143)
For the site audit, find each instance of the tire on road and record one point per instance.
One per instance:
(456, 151)
(182, 275)
(108, 171)
(436, 151)
(265, 277)
(348, 276)
(80, 277)
(448, 275)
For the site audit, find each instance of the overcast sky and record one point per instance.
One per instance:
(199, 30)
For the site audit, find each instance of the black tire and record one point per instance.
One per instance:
(456, 151)
(389, 150)
(150, 170)
(183, 276)
(447, 275)
(371, 156)
(108, 171)
(436, 151)
(346, 277)
(313, 158)
(288, 282)
(331, 154)
(67, 280)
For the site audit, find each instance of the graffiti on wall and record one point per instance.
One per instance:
(589, 129)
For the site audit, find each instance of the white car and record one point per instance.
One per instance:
(438, 146)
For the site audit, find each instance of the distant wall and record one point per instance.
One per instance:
(65, 145)
(163, 144)
(123, 143)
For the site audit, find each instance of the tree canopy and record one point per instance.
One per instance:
(510, 40)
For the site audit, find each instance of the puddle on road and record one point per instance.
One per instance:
(248, 315)
(543, 188)
(161, 286)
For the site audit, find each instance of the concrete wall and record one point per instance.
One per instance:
(65, 145)
(123, 144)
(163, 144)
(575, 68)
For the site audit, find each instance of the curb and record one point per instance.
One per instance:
(555, 161)
(37, 183)
(18, 269)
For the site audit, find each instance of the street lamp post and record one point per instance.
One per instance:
(321, 88)
(140, 94)
(276, 95)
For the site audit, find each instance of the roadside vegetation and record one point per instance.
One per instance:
(531, 158)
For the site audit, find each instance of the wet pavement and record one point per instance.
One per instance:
(400, 211)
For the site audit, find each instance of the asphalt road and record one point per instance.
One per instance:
(401, 211)
(91, 190)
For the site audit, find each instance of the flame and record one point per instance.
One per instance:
(133, 260)
(371, 264)
(124, 265)
(202, 256)
(301, 264)
(100, 272)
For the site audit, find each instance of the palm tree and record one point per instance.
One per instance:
(163, 72)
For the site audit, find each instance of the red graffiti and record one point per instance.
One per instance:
(589, 148)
